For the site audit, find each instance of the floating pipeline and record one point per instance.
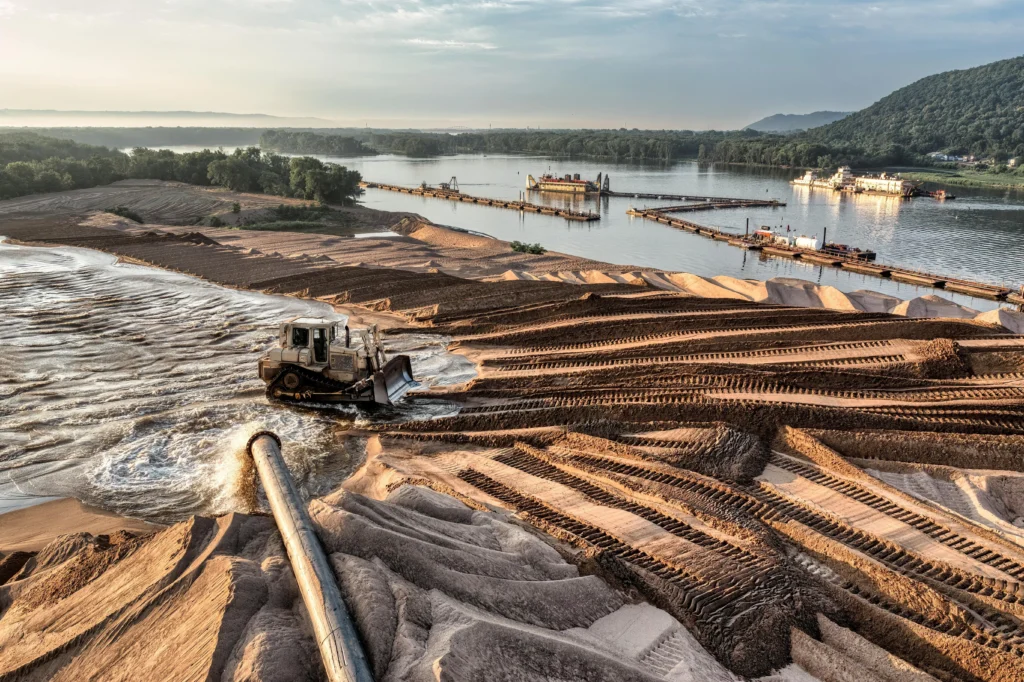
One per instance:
(963, 286)
(515, 205)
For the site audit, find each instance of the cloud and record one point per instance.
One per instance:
(449, 44)
(714, 63)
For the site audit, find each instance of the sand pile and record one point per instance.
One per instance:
(804, 294)
(1013, 320)
(438, 591)
(933, 306)
(705, 287)
(443, 592)
(787, 291)
(720, 450)
(219, 594)
(873, 301)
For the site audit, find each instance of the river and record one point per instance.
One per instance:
(135, 389)
(977, 236)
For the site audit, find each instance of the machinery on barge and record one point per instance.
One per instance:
(569, 184)
(843, 180)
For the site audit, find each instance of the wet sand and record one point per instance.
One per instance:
(31, 529)
(700, 454)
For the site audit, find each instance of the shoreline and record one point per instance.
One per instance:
(977, 180)
(30, 529)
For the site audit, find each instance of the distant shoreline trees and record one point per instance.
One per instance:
(303, 142)
(33, 164)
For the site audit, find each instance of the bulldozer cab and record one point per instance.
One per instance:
(309, 339)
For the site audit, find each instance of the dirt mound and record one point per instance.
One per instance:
(798, 292)
(1005, 317)
(217, 593)
(943, 359)
(720, 451)
(933, 306)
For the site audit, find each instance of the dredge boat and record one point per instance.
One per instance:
(843, 180)
(568, 184)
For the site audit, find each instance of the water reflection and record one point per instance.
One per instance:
(978, 235)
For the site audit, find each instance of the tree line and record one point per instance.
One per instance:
(304, 142)
(31, 164)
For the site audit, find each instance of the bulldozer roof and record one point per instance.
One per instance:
(312, 321)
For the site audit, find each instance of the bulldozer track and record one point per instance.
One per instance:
(938, 532)
(536, 465)
(713, 600)
(310, 380)
(518, 365)
(731, 331)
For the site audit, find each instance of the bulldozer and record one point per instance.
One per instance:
(318, 361)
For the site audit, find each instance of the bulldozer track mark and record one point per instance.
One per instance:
(517, 365)
(713, 600)
(732, 331)
(535, 466)
(938, 532)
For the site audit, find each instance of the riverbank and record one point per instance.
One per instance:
(706, 454)
(969, 178)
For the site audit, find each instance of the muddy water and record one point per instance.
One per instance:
(134, 389)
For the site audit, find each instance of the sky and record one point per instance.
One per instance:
(682, 64)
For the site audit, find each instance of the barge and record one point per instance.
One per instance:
(568, 184)
(883, 184)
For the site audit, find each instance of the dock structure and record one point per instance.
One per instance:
(690, 197)
(512, 204)
(910, 276)
(721, 203)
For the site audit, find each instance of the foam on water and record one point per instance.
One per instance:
(134, 389)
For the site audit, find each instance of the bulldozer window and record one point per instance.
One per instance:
(300, 337)
(320, 345)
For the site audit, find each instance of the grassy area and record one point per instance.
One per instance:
(969, 178)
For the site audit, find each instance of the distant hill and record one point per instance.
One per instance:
(53, 118)
(791, 123)
(976, 111)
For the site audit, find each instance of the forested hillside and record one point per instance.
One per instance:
(976, 111)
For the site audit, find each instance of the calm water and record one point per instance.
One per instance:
(978, 235)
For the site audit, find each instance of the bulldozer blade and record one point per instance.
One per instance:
(393, 380)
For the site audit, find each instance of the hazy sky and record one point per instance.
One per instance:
(544, 63)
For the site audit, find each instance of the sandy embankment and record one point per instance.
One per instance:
(422, 246)
(635, 430)
(783, 291)
(31, 529)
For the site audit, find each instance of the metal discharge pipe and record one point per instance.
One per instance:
(335, 632)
